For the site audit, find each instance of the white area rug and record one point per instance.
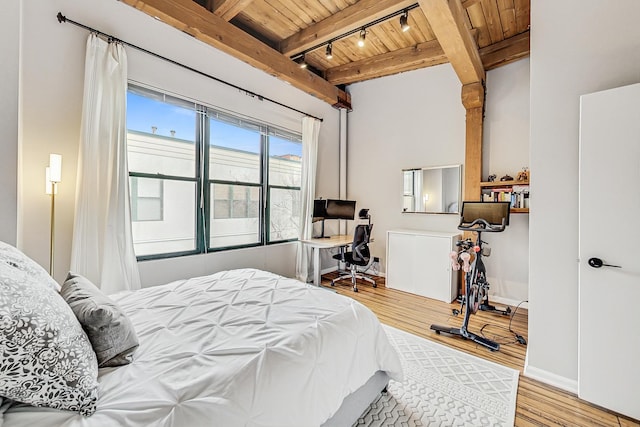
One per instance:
(443, 387)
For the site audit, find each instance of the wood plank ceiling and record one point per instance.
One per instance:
(274, 33)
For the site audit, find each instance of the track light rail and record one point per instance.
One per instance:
(402, 11)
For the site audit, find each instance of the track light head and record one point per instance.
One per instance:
(404, 24)
(329, 51)
(301, 62)
(363, 35)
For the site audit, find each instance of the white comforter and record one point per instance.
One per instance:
(237, 348)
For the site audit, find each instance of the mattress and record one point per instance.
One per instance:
(236, 348)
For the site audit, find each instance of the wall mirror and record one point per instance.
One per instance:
(432, 190)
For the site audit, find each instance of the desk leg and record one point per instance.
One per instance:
(316, 266)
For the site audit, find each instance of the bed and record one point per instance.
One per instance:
(237, 348)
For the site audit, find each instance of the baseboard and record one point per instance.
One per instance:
(328, 270)
(551, 379)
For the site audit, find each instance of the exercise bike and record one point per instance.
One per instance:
(461, 259)
(477, 217)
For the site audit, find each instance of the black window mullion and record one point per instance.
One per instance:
(265, 214)
(201, 176)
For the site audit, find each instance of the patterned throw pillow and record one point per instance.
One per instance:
(110, 331)
(46, 358)
(13, 256)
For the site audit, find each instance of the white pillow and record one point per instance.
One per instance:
(46, 358)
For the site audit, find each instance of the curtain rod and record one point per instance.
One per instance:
(62, 18)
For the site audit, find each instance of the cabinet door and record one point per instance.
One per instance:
(433, 277)
(400, 262)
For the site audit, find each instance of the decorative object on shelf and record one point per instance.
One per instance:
(523, 175)
(492, 177)
(506, 178)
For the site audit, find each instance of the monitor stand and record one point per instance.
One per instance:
(321, 236)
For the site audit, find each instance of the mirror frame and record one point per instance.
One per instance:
(459, 190)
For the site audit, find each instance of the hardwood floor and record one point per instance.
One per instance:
(537, 404)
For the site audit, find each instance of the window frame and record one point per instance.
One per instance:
(204, 183)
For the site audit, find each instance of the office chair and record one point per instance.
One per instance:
(359, 254)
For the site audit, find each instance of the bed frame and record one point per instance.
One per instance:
(357, 402)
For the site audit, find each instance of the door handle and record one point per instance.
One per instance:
(597, 263)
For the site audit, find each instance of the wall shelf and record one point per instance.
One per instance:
(492, 184)
(486, 187)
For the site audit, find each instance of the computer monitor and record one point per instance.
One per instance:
(319, 210)
(492, 212)
(341, 209)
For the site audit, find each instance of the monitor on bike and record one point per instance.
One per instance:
(495, 213)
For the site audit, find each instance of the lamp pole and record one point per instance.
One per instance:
(53, 225)
(53, 176)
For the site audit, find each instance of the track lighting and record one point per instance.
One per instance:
(404, 24)
(300, 59)
(329, 51)
(363, 35)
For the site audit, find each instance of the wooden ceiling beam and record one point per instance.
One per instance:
(506, 51)
(422, 55)
(468, 3)
(195, 20)
(446, 18)
(227, 9)
(351, 18)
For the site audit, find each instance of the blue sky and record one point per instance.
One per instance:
(143, 113)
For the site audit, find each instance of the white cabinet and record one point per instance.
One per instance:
(418, 262)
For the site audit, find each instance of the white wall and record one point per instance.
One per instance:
(416, 119)
(409, 120)
(597, 49)
(506, 152)
(9, 73)
(51, 89)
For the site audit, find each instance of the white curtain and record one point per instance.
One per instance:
(102, 247)
(310, 132)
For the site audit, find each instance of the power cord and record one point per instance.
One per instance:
(517, 337)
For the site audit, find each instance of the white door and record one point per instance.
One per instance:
(609, 297)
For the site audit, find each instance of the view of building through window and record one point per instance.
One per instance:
(202, 177)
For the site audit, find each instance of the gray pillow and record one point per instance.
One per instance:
(46, 358)
(110, 331)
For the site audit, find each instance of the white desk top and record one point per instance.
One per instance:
(331, 242)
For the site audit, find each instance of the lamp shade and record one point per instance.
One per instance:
(55, 168)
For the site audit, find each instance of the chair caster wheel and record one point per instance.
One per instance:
(455, 311)
(355, 289)
(437, 332)
(507, 311)
(375, 286)
(333, 284)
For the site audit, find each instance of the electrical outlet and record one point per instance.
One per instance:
(376, 259)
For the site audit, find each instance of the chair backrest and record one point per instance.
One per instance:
(360, 245)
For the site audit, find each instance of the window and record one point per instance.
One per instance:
(285, 175)
(147, 197)
(206, 180)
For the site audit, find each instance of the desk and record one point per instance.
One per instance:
(325, 243)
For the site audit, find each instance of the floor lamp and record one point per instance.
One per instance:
(54, 177)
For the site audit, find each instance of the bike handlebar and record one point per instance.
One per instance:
(480, 224)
